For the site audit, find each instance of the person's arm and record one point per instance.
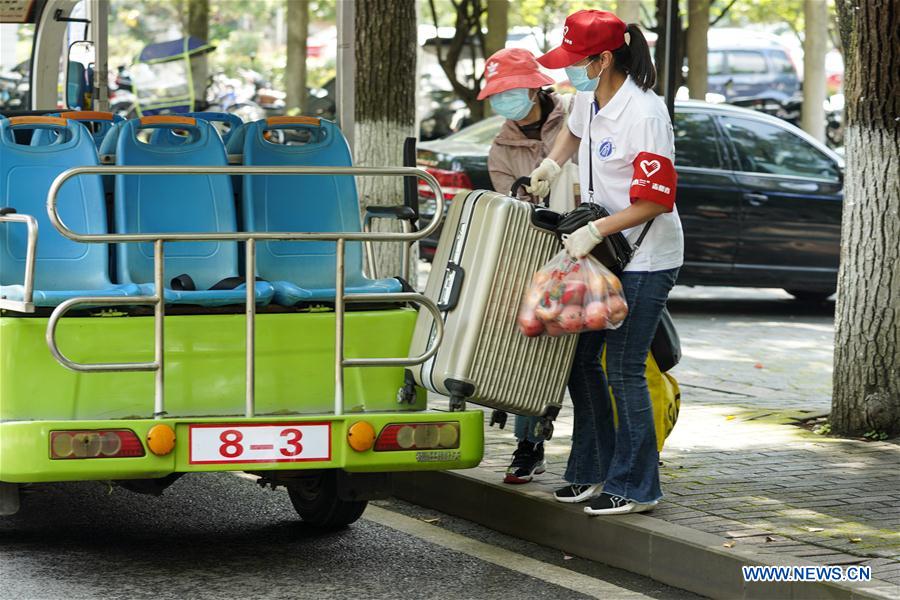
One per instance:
(565, 146)
(639, 212)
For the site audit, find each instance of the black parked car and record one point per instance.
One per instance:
(759, 199)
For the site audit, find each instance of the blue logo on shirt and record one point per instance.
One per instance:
(606, 148)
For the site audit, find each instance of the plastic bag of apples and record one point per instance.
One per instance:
(570, 296)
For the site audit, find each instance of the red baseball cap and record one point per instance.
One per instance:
(587, 33)
(511, 68)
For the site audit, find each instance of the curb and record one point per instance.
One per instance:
(671, 554)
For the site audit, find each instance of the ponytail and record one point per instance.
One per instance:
(634, 58)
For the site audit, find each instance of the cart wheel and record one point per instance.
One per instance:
(316, 501)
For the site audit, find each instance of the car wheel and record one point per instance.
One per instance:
(316, 501)
(811, 296)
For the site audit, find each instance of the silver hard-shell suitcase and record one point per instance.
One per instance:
(490, 247)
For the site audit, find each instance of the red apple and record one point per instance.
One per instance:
(618, 310)
(572, 318)
(598, 288)
(554, 329)
(529, 324)
(574, 293)
(596, 315)
(548, 310)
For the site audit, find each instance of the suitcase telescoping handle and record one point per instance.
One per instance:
(453, 279)
(521, 182)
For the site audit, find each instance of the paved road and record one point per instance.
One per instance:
(220, 536)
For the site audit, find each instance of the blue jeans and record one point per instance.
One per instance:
(624, 458)
(525, 429)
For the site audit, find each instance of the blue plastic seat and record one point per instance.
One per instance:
(63, 269)
(303, 271)
(178, 203)
(170, 137)
(102, 123)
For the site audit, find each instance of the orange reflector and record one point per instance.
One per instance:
(418, 436)
(361, 436)
(115, 443)
(161, 439)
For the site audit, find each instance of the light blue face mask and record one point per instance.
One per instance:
(579, 79)
(513, 104)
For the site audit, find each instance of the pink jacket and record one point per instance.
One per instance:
(513, 155)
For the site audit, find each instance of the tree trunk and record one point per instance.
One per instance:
(867, 318)
(815, 46)
(497, 29)
(629, 11)
(295, 69)
(497, 26)
(386, 41)
(698, 28)
(198, 26)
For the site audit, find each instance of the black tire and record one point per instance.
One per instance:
(316, 501)
(811, 296)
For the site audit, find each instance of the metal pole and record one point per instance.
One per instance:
(99, 24)
(339, 329)
(159, 313)
(346, 61)
(250, 270)
(671, 19)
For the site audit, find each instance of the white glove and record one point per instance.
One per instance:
(580, 242)
(543, 177)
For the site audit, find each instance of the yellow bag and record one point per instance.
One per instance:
(665, 398)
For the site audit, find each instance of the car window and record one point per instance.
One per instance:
(482, 132)
(781, 63)
(743, 62)
(715, 63)
(768, 148)
(695, 141)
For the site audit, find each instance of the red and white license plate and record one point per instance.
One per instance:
(260, 443)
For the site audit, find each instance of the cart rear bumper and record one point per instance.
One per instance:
(25, 451)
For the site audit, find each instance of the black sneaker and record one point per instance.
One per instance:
(528, 461)
(574, 492)
(610, 504)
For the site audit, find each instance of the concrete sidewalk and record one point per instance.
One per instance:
(769, 492)
(741, 479)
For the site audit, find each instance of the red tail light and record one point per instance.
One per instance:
(452, 182)
(115, 443)
(418, 436)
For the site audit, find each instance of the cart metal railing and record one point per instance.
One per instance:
(26, 304)
(157, 365)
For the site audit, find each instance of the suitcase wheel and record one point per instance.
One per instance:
(498, 417)
(544, 429)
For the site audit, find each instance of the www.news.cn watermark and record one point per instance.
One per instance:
(811, 573)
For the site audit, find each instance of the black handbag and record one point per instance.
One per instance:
(666, 345)
(614, 252)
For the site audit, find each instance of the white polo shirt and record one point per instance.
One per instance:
(633, 121)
